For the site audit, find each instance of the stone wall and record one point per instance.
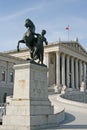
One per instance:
(76, 96)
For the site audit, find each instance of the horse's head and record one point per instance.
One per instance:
(29, 24)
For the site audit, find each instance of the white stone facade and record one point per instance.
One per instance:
(66, 62)
(7, 75)
(30, 107)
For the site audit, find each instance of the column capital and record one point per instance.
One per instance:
(72, 57)
(63, 54)
(76, 59)
(84, 62)
(80, 61)
(58, 52)
(68, 56)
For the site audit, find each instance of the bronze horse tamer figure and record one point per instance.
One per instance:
(33, 41)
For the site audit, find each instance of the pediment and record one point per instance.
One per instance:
(77, 47)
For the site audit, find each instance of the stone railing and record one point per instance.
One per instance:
(76, 96)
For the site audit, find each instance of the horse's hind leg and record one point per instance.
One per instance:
(18, 47)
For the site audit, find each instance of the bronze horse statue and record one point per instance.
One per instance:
(33, 41)
(29, 38)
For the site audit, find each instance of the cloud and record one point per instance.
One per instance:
(20, 13)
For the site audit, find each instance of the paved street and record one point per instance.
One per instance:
(76, 117)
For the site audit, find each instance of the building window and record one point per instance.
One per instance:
(11, 77)
(4, 97)
(3, 75)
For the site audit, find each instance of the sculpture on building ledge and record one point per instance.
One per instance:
(33, 41)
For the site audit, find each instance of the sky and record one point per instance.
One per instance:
(52, 15)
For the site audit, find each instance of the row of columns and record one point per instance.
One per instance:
(74, 73)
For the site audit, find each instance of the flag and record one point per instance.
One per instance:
(67, 28)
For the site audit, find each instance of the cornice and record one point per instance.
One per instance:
(4, 56)
(66, 44)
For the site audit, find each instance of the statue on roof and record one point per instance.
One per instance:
(33, 41)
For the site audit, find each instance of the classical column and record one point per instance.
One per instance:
(58, 68)
(84, 71)
(63, 69)
(86, 75)
(67, 71)
(80, 72)
(7, 74)
(0, 73)
(76, 72)
(47, 63)
(72, 72)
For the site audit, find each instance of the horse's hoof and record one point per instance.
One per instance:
(28, 59)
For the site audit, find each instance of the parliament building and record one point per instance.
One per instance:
(66, 62)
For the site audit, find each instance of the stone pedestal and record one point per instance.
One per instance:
(30, 107)
(63, 91)
(83, 87)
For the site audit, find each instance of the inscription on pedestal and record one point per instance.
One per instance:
(22, 83)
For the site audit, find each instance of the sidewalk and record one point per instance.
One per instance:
(75, 117)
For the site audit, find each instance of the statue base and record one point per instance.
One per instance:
(30, 107)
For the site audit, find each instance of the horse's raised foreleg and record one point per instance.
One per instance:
(18, 47)
(21, 41)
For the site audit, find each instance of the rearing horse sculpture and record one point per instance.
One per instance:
(33, 41)
(29, 39)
